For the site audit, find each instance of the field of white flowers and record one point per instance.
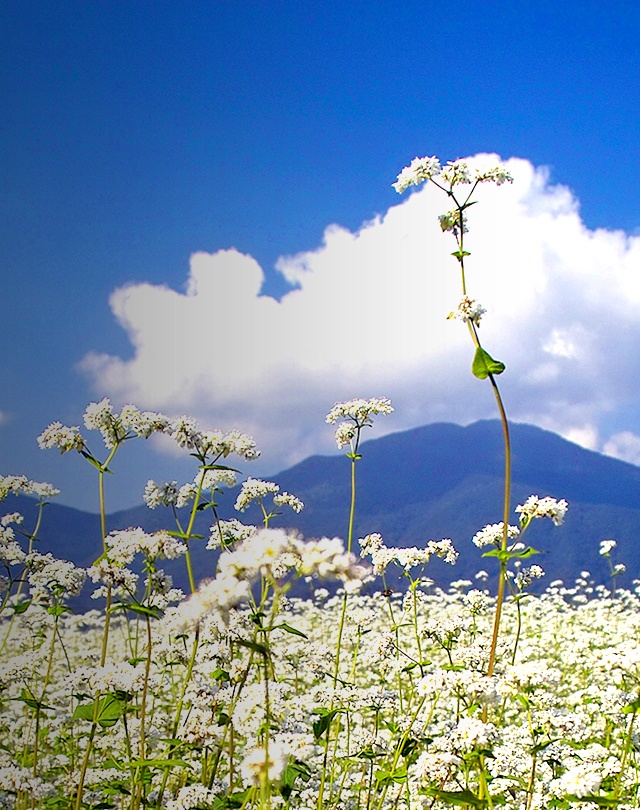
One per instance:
(241, 694)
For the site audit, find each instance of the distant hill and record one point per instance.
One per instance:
(440, 480)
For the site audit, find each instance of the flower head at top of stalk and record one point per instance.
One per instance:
(535, 507)
(456, 172)
(421, 169)
(357, 414)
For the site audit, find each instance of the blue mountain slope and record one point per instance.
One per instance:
(440, 480)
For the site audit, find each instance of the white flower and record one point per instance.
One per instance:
(418, 171)
(359, 411)
(190, 796)
(345, 432)
(124, 545)
(262, 764)
(535, 507)
(143, 424)
(64, 438)
(525, 577)
(211, 479)
(468, 311)
(227, 532)
(185, 494)
(253, 489)
(436, 767)
(451, 221)
(456, 171)
(498, 175)
(472, 733)
(370, 543)
(290, 500)
(156, 494)
(491, 535)
(607, 546)
(581, 781)
(47, 574)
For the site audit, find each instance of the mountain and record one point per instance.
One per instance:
(440, 480)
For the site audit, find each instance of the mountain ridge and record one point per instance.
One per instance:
(437, 480)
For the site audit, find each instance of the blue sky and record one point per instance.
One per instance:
(135, 135)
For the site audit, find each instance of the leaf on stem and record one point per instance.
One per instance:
(483, 364)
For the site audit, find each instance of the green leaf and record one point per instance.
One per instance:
(325, 716)
(291, 773)
(633, 707)
(460, 254)
(289, 629)
(234, 800)
(154, 612)
(505, 556)
(219, 467)
(110, 710)
(95, 462)
(384, 778)
(58, 610)
(220, 675)
(259, 648)
(17, 609)
(483, 365)
(460, 797)
(27, 697)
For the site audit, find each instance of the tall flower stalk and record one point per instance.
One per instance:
(459, 182)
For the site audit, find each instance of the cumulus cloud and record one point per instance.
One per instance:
(367, 316)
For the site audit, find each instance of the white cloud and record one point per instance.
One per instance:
(625, 446)
(368, 318)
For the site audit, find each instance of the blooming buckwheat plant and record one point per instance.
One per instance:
(292, 676)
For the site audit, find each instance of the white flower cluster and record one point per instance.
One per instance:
(20, 483)
(253, 489)
(227, 532)
(438, 767)
(525, 577)
(124, 545)
(451, 221)
(112, 575)
(156, 494)
(381, 556)
(168, 493)
(260, 764)
(359, 413)
(456, 172)
(492, 534)
(114, 676)
(130, 422)
(268, 553)
(46, 575)
(209, 480)
(418, 171)
(468, 311)
(61, 437)
(11, 552)
(100, 416)
(215, 443)
(472, 733)
(535, 507)
(606, 547)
